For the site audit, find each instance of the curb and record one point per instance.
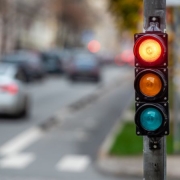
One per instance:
(118, 166)
(104, 149)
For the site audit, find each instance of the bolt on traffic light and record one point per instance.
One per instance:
(151, 84)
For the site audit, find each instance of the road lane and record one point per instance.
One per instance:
(77, 139)
(50, 96)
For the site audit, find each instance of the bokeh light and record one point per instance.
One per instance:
(94, 46)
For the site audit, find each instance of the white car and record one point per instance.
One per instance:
(14, 99)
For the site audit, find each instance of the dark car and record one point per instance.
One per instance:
(29, 62)
(55, 60)
(84, 65)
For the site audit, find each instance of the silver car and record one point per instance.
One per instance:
(14, 99)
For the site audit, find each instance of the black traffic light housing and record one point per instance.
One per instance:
(163, 38)
(162, 130)
(157, 70)
(162, 95)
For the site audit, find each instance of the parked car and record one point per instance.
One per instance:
(106, 58)
(55, 60)
(30, 63)
(14, 100)
(13, 71)
(84, 65)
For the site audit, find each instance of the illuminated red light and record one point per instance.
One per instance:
(149, 50)
(118, 61)
(126, 57)
(94, 46)
(11, 88)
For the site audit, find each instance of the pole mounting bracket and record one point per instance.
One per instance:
(154, 143)
(154, 20)
(154, 24)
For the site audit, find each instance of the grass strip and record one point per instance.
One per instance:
(128, 143)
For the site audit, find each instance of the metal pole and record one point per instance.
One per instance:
(155, 8)
(176, 75)
(154, 160)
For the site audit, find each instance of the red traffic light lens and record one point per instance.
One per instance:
(149, 50)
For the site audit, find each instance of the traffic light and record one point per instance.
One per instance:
(151, 84)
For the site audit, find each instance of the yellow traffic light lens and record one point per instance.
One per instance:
(150, 50)
(150, 84)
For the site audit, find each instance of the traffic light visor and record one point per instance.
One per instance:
(150, 84)
(149, 50)
(151, 119)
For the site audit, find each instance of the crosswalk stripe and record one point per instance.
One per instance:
(17, 161)
(21, 141)
(73, 163)
(68, 163)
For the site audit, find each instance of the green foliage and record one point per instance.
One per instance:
(127, 13)
(126, 142)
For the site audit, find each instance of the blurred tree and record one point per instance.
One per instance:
(73, 16)
(127, 13)
(18, 17)
(4, 21)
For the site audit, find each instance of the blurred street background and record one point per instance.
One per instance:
(66, 79)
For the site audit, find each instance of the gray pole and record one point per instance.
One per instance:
(155, 160)
(176, 77)
(155, 8)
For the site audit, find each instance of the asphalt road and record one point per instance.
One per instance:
(67, 148)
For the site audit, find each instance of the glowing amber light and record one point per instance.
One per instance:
(150, 50)
(150, 84)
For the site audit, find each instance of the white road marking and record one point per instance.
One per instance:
(73, 163)
(17, 161)
(21, 141)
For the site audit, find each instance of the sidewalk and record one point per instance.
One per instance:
(131, 165)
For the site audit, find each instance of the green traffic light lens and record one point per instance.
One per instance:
(151, 119)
